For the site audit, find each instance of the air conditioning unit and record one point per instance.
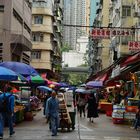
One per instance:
(136, 14)
(117, 10)
(133, 6)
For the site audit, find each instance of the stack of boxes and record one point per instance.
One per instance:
(118, 114)
(121, 114)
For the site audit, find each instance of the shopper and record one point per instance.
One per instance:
(52, 112)
(6, 113)
(82, 104)
(47, 96)
(92, 111)
(137, 120)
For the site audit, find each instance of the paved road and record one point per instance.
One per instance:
(101, 129)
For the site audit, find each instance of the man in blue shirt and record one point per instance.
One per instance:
(52, 112)
(8, 114)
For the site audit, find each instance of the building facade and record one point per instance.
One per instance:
(93, 8)
(104, 44)
(75, 13)
(46, 35)
(122, 16)
(95, 44)
(15, 30)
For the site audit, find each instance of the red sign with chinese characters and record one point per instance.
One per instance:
(107, 33)
(133, 45)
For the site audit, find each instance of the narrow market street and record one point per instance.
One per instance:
(101, 129)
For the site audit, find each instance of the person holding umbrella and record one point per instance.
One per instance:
(92, 111)
(82, 103)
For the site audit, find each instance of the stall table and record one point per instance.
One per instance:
(107, 107)
(19, 113)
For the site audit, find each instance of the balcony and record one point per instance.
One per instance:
(55, 40)
(22, 40)
(110, 24)
(111, 5)
(42, 11)
(41, 64)
(136, 14)
(42, 28)
(42, 45)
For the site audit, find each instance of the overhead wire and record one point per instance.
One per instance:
(75, 25)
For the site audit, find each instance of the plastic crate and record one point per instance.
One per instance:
(109, 113)
(131, 109)
(118, 120)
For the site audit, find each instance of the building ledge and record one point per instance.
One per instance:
(22, 40)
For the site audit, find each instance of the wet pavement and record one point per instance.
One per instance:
(101, 129)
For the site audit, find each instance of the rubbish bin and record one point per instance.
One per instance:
(72, 116)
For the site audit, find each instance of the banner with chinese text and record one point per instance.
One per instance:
(107, 33)
(133, 45)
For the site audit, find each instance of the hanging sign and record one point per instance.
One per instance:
(107, 33)
(115, 71)
(133, 45)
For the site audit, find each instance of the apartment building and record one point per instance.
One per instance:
(101, 45)
(87, 16)
(46, 35)
(76, 12)
(15, 30)
(104, 44)
(122, 15)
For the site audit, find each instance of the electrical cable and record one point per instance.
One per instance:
(72, 25)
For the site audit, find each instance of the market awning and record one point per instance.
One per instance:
(131, 59)
(124, 74)
(102, 77)
(94, 84)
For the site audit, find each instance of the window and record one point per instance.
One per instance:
(1, 8)
(38, 37)
(125, 39)
(17, 16)
(27, 28)
(38, 19)
(126, 11)
(36, 55)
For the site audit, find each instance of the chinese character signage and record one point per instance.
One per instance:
(133, 45)
(107, 33)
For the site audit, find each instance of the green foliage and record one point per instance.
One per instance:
(65, 48)
(66, 65)
(76, 79)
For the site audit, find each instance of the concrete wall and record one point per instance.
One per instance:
(47, 29)
(44, 62)
(105, 42)
(11, 26)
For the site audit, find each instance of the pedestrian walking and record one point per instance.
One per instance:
(52, 112)
(137, 120)
(47, 96)
(82, 103)
(6, 111)
(92, 111)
